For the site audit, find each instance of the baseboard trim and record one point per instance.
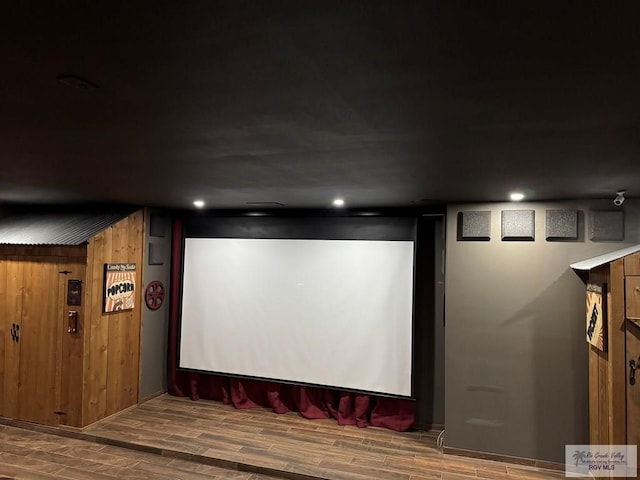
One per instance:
(526, 462)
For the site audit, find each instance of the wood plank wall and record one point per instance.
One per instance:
(606, 369)
(112, 341)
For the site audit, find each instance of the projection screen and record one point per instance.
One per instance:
(335, 313)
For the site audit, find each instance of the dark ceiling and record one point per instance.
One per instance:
(383, 103)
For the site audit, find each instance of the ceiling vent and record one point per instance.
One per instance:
(265, 204)
(77, 82)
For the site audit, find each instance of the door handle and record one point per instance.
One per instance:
(632, 372)
(72, 321)
(15, 332)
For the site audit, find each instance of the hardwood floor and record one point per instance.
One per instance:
(170, 437)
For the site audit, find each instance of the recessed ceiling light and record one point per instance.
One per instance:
(517, 196)
(338, 202)
(198, 203)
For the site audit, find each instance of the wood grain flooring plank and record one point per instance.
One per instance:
(533, 474)
(238, 439)
(410, 467)
(97, 456)
(456, 476)
(146, 470)
(202, 468)
(23, 473)
(135, 455)
(371, 472)
(57, 459)
(427, 476)
(277, 456)
(445, 466)
(27, 462)
(313, 455)
(316, 437)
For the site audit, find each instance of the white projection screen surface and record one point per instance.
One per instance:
(335, 313)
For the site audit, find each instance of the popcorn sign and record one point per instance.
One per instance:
(119, 286)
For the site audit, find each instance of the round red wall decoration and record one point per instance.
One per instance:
(154, 295)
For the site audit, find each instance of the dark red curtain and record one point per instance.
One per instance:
(311, 402)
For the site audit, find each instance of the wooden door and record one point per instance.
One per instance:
(34, 339)
(41, 319)
(632, 300)
(633, 391)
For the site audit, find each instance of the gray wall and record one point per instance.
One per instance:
(155, 324)
(516, 375)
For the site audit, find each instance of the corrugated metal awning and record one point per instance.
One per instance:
(55, 228)
(594, 262)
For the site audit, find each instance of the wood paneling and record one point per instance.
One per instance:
(606, 369)
(616, 340)
(135, 250)
(632, 264)
(118, 323)
(633, 297)
(112, 346)
(96, 335)
(594, 396)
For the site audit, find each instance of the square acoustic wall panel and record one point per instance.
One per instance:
(474, 225)
(562, 225)
(156, 256)
(607, 226)
(518, 225)
(158, 224)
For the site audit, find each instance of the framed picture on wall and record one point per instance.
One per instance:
(119, 286)
(596, 315)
